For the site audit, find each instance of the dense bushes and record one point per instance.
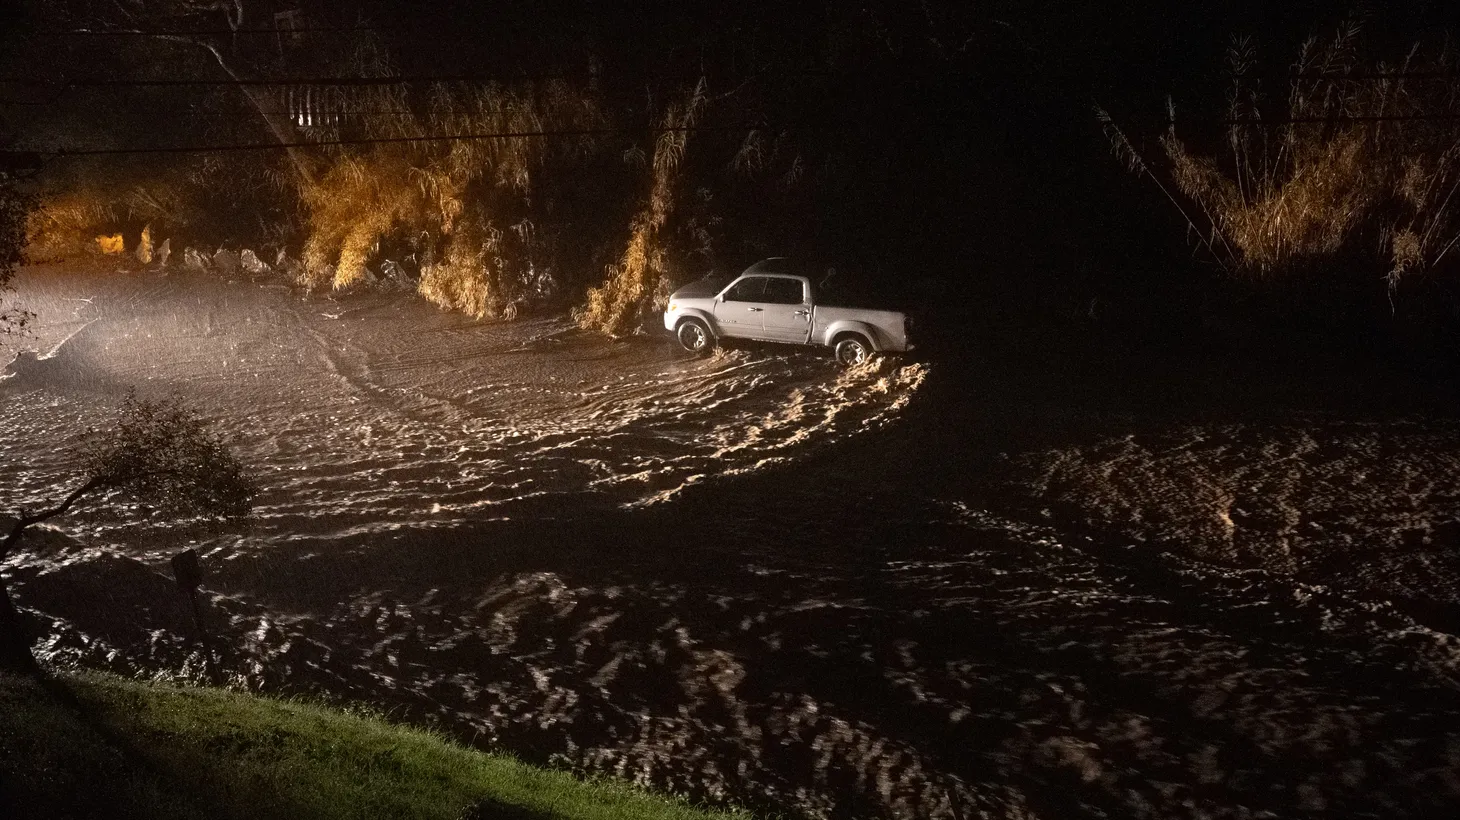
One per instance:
(462, 210)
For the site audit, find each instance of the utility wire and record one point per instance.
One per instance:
(270, 146)
(586, 132)
(417, 79)
(97, 82)
(282, 32)
(421, 79)
(1356, 75)
(1337, 118)
(1161, 119)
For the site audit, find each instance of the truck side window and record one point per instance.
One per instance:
(749, 289)
(784, 291)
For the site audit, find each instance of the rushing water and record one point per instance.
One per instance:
(740, 577)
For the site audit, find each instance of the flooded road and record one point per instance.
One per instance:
(752, 577)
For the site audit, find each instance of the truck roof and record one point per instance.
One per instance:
(776, 264)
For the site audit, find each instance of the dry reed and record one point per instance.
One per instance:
(1362, 162)
(456, 198)
(640, 279)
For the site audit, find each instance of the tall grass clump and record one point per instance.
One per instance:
(1356, 162)
(462, 208)
(639, 280)
(469, 277)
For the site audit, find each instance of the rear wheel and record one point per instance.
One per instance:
(852, 350)
(694, 337)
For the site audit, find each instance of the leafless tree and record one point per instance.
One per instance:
(159, 453)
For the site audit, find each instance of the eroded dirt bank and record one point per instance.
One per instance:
(756, 577)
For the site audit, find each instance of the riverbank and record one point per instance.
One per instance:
(90, 745)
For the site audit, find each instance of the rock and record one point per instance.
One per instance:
(395, 276)
(226, 262)
(110, 245)
(192, 260)
(251, 263)
(144, 247)
(286, 265)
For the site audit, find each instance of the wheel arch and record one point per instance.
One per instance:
(837, 330)
(705, 318)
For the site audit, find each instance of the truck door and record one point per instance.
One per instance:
(787, 315)
(741, 310)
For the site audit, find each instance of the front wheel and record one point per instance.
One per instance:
(852, 350)
(693, 336)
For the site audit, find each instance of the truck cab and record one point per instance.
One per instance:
(771, 307)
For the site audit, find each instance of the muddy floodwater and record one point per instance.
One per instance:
(755, 577)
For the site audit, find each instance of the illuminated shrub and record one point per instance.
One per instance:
(1361, 160)
(639, 280)
(201, 196)
(67, 225)
(416, 191)
(464, 280)
(358, 200)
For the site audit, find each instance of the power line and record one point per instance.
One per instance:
(94, 82)
(1336, 118)
(248, 112)
(1341, 118)
(577, 132)
(282, 32)
(399, 79)
(477, 77)
(1357, 76)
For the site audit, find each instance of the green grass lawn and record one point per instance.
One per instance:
(89, 745)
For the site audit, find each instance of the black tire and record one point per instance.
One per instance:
(852, 349)
(694, 336)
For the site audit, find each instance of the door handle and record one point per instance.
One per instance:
(754, 310)
(803, 313)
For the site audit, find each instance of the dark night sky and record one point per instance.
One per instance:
(1127, 44)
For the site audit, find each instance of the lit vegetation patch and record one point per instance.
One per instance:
(462, 207)
(98, 746)
(67, 222)
(640, 279)
(206, 198)
(1359, 159)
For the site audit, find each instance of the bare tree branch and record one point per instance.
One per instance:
(158, 451)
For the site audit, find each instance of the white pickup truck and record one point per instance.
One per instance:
(766, 303)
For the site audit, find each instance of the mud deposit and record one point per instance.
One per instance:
(752, 577)
(1371, 508)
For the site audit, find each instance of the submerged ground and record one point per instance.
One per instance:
(919, 589)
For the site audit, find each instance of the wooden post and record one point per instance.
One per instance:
(189, 576)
